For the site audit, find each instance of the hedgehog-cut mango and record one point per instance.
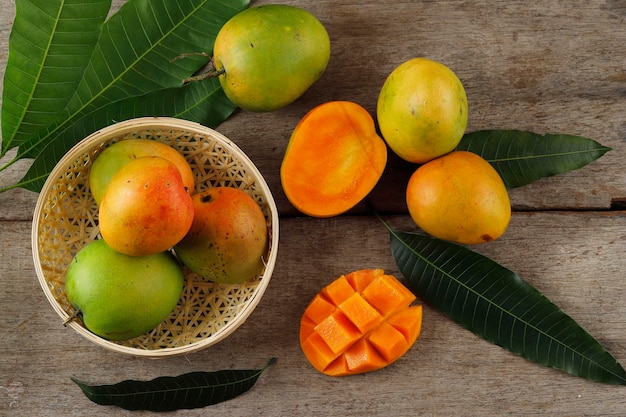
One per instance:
(361, 322)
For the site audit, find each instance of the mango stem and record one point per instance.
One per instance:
(210, 72)
(73, 317)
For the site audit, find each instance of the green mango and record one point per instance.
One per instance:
(269, 55)
(118, 296)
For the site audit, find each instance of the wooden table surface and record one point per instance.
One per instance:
(545, 66)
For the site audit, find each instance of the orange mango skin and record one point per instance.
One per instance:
(146, 208)
(228, 236)
(361, 322)
(333, 160)
(459, 197)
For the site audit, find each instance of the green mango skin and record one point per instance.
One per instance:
(121, 296)
(112, 158)
(270, 55)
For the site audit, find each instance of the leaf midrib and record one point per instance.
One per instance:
(40, 71)
(539, 156)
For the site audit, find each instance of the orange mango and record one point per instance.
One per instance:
(361, 322)
(146, 208)
(459, 197)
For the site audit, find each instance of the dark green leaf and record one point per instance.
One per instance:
(134, 54)
(522, 157)
(203, 102)
(496, 304)
(49, 46)
(191, 390)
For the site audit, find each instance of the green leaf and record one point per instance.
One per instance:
(496, 304)
(522, 157)
(191, 390)
(203, 102)
(49, 46)
(134, 54)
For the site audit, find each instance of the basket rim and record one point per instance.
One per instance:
(120, 129)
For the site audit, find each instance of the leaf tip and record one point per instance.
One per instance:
(269, 363)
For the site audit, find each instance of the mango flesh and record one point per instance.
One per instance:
(459, 197)
(228, 237)
(270, 55)
(422, 110)
(120, 297)
(146, 208)
(111, 159)
(334, 158)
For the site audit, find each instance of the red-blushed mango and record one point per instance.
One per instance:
(146, 208)
(118, 154)
(459, 197)
(334, 158)
(361, 322)
(228, 237)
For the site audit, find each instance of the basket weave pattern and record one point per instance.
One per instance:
(68, 219)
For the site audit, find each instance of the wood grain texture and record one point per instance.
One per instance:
(554, 66)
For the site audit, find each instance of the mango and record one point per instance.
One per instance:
(459, 197)
(360, 322)
(334, 158)
(422, 110)
(119, 297)
(146, 208)
(269, 55)
(228, 237)
(118, 154)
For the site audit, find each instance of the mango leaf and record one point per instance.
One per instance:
(522, 157)
(134, 56)
(203, 102)
(49, 46)
(496, 304)
(169, 393)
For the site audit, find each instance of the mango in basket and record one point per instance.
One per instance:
(120, 297)
(115, 156)
(146, 208)
(228, 237)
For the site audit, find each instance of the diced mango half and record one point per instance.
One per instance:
(361, 322)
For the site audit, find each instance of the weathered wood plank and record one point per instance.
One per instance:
(574, 258)
(541, 67)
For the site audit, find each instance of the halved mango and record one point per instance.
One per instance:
(333, 160)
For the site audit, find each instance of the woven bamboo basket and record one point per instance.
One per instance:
(66, 218)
